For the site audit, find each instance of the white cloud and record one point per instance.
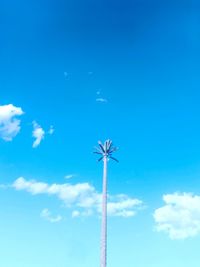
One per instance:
(76, 213)
(30, 186)
(46, 214)
(102, 100)
(9, 124)
(68, 193)
(180, 216)
(99, 97)
(81, 197)
(123, 206)
(38, 133)
(69, 176)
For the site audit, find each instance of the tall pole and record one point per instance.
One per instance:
(104, 214)
(105, 152)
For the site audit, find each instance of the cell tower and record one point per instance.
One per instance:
(105, 151)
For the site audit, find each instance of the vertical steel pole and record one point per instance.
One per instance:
(104, 215)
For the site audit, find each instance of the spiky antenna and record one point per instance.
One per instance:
(105, 151)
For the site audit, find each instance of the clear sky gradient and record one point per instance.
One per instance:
(124, 70)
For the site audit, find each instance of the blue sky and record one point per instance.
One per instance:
(75, 72)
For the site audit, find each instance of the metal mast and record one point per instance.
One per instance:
(105, 151)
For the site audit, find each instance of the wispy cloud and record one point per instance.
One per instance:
(122, 206)
(51, 130)
(69, 176)
(99, 97)
(102, 100)
(46, 214)
(9, 124)
(38, 133)
(82, 198)
(78, 213)
(180, 216)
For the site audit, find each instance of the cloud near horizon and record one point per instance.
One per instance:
(82, 198)
(180, 216)
(9, 124)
